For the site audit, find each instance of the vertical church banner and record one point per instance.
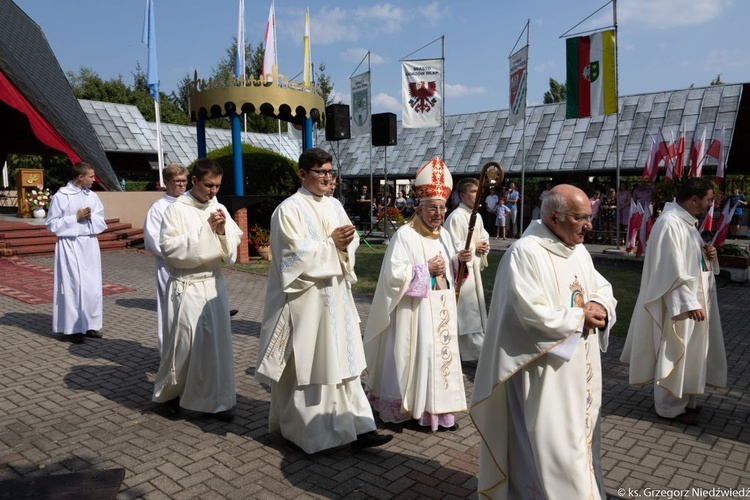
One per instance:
(421, 90)
(518, 71)
(361, 98)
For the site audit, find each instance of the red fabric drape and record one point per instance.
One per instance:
(43, 131)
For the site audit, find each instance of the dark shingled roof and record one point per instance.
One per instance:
(28, 62)
(552, 143)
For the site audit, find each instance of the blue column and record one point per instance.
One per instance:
(307, 135)
(239, 185)
(200, 130)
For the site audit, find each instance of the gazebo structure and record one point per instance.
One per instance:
(278, 98)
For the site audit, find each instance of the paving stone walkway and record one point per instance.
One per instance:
(67, 408)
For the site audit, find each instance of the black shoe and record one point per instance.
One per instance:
(75, 338)
(94, 334)
(697, 409)
(684, 418)
(452, 428)
(233, 312)
(370, 439)
(172, 407)
(223, 416)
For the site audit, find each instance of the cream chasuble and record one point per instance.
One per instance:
(472, 309)
(537, 390)
(310, 342)
(411, 342)
(663, 345)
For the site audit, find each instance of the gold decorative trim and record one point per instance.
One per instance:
(279, 98)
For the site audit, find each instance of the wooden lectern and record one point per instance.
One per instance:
(26, 180)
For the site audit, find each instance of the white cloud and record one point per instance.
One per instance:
(383, 102)
(357, 54)
(546, 67)
(339, 97)
(459, 90)
(660, 14)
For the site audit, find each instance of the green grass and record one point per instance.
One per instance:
(625, 278)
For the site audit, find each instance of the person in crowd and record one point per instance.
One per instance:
(538, 386)
(411, 338)
(675, 340)
(311, 350)
(623, 210)
(502, 212)
(472, 311)
(596, 203)
(76, 216)
(197, 238)
(740, 201)
(490, 202)
(608, 214)
(400, 202)
(512, 199)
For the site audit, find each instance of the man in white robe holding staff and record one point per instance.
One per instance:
(538, 385)
(310, 343)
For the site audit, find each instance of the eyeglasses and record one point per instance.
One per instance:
(178, 181)
(434, 210)
(324, 173)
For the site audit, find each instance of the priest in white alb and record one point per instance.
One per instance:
(310, 343)
(411, 338)
(472, 310)
(675, 340)
(198, 237)
(76, 216)
(175, 178)
(538, 385)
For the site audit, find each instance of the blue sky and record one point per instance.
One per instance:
(663, 44)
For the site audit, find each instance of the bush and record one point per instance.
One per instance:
(733, 249)
(265, 172)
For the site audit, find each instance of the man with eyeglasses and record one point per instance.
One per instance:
(310, 342)
(411, 338)
(538, 386)
(175, 177)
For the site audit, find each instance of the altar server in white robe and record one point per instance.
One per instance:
(675, 340)
(175, 178)
(411, 338)
(198, 237)
(310, 342)
(538, 386)
(472, 310)
(76, 216)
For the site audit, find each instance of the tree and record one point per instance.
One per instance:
(556, 92)
(323, 82)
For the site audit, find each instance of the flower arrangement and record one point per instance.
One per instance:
(258, 236)
(38, 198)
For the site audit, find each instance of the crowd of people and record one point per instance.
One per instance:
(538, 385)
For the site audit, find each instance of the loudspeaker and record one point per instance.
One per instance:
(384, 129)
(337, 122)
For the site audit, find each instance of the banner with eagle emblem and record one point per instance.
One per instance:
(421, 89)
(360, 99)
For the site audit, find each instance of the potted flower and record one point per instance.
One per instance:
(38, 201)
(733, 255)
(261, 239)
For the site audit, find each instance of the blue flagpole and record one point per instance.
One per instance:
(152, 78)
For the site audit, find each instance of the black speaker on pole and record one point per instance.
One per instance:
(337, 122)
(384, 129)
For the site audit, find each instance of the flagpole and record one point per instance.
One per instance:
(369, 104)
(617, 122)
(523, 133)
(442, 91)
(159, 148)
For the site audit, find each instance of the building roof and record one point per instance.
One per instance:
(27, 60)
(551, 142)
(123, 129)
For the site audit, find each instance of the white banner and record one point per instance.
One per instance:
(518, 72)
(421, 89)
(361, 123)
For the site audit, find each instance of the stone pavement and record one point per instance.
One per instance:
(67, 408)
